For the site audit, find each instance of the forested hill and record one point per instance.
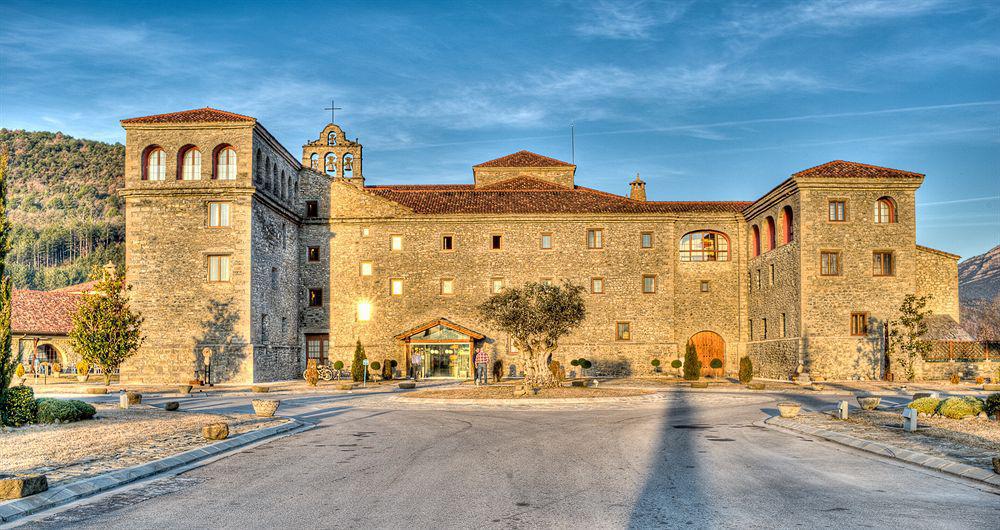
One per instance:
(66, 214)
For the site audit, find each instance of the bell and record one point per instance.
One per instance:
(349, 164)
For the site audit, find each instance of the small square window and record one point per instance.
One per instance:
(447, 242)
(496, 285)
(882, 264)
(315, 297)
(366, 268)
(364, 231)
(758, 279)
(829, 263)
(595, 238)
(649, 283)
(312, 253)
(447, 286)
(623, 331)
(784, 326)
(763, 322)
(704, 286)
(546, 242)
(859, 324)
(312, 209)
(496, 240)
(597, 285)
(364, 311)
(274, 278)
(396, 286)
(837, 211)
(218, 268)
(396, 242)
(646, 240)
(218, 214)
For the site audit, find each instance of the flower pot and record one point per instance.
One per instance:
(869, 402)
(259, 389)
(699, 384)
(756, 385)
(265, 408)
(789, 410)
(345, 386)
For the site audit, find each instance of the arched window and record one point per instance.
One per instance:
(190, 163)
(256, 168)
(705, 245)
(331, 138)
(885, 210)
(284, 185)
(314, 161)
(770, 232)
(787, 228)
(755, 242)
(225, 162)
(47, 353)
(330, 164)
(295, 194)
(348, 165)
(154, 166)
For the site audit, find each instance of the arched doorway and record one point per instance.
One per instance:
(709, 345)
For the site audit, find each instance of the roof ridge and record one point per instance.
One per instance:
(502, 160)
(153, 118)
(853, 163)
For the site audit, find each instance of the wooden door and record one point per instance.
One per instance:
(709, 346)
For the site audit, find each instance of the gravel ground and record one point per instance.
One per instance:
(115, 439)
(506, 391)
(973, 441)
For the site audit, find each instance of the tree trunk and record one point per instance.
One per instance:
(107, 377)
(536, 370)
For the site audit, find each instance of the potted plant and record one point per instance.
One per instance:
(788, 409)
(376, 368)
(715, 364)
(82, 371)
(676, 364)
(265, 408)
(656, 365)
(19, 372)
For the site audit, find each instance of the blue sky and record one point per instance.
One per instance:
(707, 100)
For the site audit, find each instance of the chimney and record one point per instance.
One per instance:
(638, 192)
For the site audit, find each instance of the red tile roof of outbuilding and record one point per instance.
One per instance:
(43, 312)
(203, 115)
(524, 159)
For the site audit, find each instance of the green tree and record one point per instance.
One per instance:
(106, 331)
(358, 367)
(8, 361)
(906, 334)
(536, 316)
(692, 366)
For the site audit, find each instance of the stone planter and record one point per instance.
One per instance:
(259, 389)
(98, 390)
(996, 464)
(789, 410)
(215, 431)
(82, 378)
(993, 387)
(578, 382)
(265, 408)
(699, 384)
(134, 398)
(345, 386)
(756, 386)
(407, 385)
(869, 402)
(171, 406)
(184, 389)
(816, 387)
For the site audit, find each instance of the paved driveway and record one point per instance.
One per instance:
(693, 460)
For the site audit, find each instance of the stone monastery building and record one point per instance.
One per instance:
(236, 247)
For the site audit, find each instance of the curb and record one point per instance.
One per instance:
(16, 509)
(924, 460)
(531, 402)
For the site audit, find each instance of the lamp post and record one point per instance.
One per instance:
(207, 354)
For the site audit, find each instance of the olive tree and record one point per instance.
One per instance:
(106, 331)
(536, 316)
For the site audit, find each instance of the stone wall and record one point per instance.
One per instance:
(561, 175)
(937, 275)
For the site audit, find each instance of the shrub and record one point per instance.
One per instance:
(339, 365)
(497, 370)
(992, 405)
(960, 407)
(746, 370)
(312, 374)
(63, 410)
(716, 363)
(387, 370)
(19, 406)
(585, 364)
(676, 363)
(56, 368)
(82, 368)
(558, 372)
(575, 362)
(927, 405)
(955, 378)
(376, 366)
(692, 366)
(393, 364)
(358, 368)
(19, 371)
(980, 380)
(655, 363)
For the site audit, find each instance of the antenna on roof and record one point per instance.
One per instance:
(572, 142)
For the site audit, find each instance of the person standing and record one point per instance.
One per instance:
(415, 362)
(482, 363)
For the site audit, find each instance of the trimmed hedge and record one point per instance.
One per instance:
(927, 405)
(746, 370)
(992, 405)
(63, 410)
(19, 406)
(960, 407)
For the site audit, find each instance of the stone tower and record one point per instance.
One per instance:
(638, 191)
(333, 154)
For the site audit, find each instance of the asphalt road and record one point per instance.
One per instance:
(695, 460)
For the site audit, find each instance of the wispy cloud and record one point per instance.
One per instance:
(961, 201)
(634, 20)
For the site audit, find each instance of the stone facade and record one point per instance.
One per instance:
(316, 257)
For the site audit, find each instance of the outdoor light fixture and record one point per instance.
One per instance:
(364, 311)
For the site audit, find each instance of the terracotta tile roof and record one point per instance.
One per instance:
(522, 184)
(526, 196)
(845, 169)
(79, 288)
(42, 312)
(524, 159)
(204, 115)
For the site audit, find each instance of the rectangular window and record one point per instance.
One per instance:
(646, 240)
(784, 326)
(218, 268)
(274, 278)
(763, 327)
(838, 211)
(595, 238)
(366, 268)
(758, 279)
(316, 348)
(284, 325)
(751, 329)
(496, 240)
(396, 286)
(447, 242)
(649, 283)
(312, 253)
(496, 285)
(396, 242)
(770, 278)
(263, 328)
(546, 242)
(364, 231)
(882, 264)
(218, 214)
(364, 311)
(597, 285)
(315, 297)
(447, 286)
(704, 286)
(312, 209)
(859, 324)
(623, 331)
(284, 235)
(829, 263)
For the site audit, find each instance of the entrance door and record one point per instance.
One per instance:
(709, 345)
